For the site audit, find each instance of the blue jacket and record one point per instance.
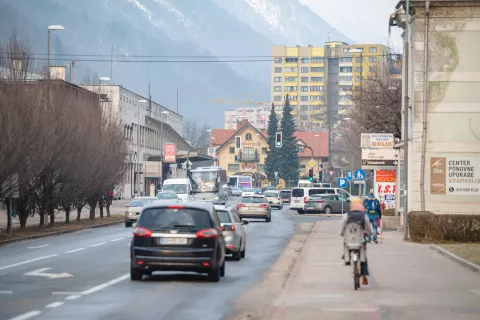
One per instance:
(378, 208)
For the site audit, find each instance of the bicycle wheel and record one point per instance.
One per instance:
(356, 275)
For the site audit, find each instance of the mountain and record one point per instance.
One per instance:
(172, 44)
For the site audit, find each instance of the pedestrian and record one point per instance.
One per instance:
(373, 211)
(358, 216)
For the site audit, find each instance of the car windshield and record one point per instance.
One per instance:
(168, 218)
(224, 217)
(253, 200)
(248, 190)
(166, 195)
(140, 202)
(270, 194)
(297, 192)
(177, 188)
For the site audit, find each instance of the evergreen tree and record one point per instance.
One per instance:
(271, 161)
(289, 168)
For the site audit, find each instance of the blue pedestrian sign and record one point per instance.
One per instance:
(360, 174)
(349, 175)
(342, 182)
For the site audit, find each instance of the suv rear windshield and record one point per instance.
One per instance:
(297, 192)
(165, 218)
(271, 194)
(224, 216)
(254, 200)
(311, 192)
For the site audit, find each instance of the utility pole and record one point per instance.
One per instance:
(111, 63)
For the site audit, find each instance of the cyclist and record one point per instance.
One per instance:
(373, 209)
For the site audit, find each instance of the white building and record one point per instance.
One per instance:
(142, 121)
(257, 116)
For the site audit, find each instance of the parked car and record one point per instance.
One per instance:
(274, 199)
(178, 236)
(286, 195)
(167, 195)
(327, 203)
(232, 227)
(255, 207)
(117, 194)
(135, 207)
(236, 192)
(248, 192)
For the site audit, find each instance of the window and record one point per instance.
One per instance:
(277, 79)
(372, 69)
(303, 108)
(372, 59)
(278, 69)
(345, 88)
(248, 153)
(293, 98)
(316, 79)
(304, 79)
(316, 98)
(303, 98)
(358, 79)
(278, 60)
(290, 88)
(277, 98)
(316, 69)
(233, 167)
(305, 60)
(346, 59)
(277, 88)
(248, 137)
(224, 216)
(304, 70)
(261, 167)
(304, 89)
(291, 69)
(291, 60)
(316, 107)
(231, 150)
(372, 49)
(358, 59)
(345, 69)
(345, 79)
(345, 50)
(358, 69)
(264, 150)
(291, 79)
(316, 88)
(316, 60)
(304, 117)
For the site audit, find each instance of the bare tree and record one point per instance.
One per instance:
(196, 133)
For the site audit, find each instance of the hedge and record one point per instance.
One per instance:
(437, 228)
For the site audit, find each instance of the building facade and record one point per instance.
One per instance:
(443, 83)
(320, 80)
(257, 116)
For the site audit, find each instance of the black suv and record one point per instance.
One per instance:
(178, 236)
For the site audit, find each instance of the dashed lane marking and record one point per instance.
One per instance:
(74, 250)
(55, 304)
(28, 261)
(27, 315)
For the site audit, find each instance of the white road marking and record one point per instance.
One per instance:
(118, 239)
(27, 315)
(66, 293)
(38, 247)
(98, 244)
(75, 250)
(350, 309)
(6, 292)
(41, 273)
(106, 284)
(54, 304)
(27, 261)
(73, 297)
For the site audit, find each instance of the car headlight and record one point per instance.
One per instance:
(216, 198)
(131, 213)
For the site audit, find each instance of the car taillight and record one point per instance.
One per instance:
(232, 227)
(264, 205)
(319, 201)
(207, 234)
(223, 228)
(278, 198)
(304, 199)
(142, 232)
(241, 205)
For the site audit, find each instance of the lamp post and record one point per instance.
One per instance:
(50, 28)
(137, 187)
(161, 137)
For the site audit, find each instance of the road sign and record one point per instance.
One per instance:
(342, 182)
(378, 140)
(380, 154)
(41, 273)
(349, 175)
(312, 163)
(359, 174)
(379, 164)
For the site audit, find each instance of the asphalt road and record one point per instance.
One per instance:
(86, 276)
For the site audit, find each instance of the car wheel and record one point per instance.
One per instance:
(300, 211)
(236, 255)
(268, 219)
(327, 210)
(136, 274)
(214, 275)
(242, 253)
(128, 224)
(222, 270)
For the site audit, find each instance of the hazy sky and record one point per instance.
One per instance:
(365, 21)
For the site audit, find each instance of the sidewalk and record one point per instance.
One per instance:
(408, 281)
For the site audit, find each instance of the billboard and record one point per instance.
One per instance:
(377, 140)
(455, 175)
(169, 153)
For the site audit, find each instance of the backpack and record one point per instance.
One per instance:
(371, 206)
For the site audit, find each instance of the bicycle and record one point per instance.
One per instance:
(355, 242)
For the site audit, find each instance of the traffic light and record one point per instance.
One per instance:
(310, 174)
(238, 142)
(278, 139)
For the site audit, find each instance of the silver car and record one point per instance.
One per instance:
(232, 227)
(255, 207)
(274, 199)
(327, 204)
(135, 207)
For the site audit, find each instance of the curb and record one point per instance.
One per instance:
(56, 233)
(467, 264)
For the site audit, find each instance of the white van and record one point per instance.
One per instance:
(300, 196)
(182, 187)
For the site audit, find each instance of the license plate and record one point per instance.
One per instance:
(296, 201)
(173, 241)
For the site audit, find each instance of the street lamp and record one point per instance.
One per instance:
(50, 28)
(161, 137)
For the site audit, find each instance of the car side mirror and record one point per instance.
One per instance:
(245, 222)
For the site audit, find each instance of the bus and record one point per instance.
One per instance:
(240, 182)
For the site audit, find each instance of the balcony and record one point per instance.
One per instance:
(248, 157)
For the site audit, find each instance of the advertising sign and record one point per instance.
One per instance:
(385, 192)
(376, 164)
(169, 153)
(455, 175)
(385, 175)
(377, 140)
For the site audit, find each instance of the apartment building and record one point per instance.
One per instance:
(320, 80)
(256, 116)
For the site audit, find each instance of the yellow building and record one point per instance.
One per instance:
(317, 77)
